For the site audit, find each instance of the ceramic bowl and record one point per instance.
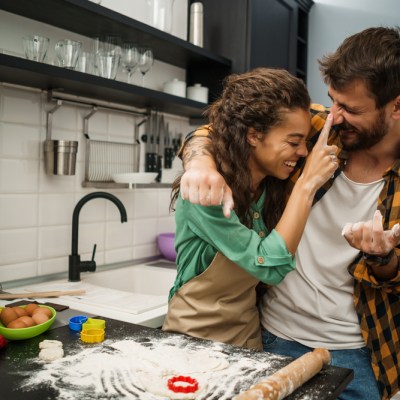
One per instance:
(165, 242)
(27, 333)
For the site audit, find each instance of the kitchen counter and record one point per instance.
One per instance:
(19, 361)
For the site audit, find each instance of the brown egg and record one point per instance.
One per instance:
(43, 310)
(28, 321)
(39, 318)
(21, 312)
(16, 324)
(8, 315)
(30, 307)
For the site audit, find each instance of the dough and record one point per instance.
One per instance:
(51, 353)
(47, 344)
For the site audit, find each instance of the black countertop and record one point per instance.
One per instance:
(19, 360)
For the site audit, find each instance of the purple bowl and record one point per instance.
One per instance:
(165, 242)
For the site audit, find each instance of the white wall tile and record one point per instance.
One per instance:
(21, 106)
(18, 211)
(145, 231)
(118, 255)
(166, 224)
(56, 209)
(93, 210)
(54, 183)
(18, 176)
(119, 235)
(54, 241)
(89, 235)
(18, 246)
(53, 266)
(18, 271)
(19, 141)
(145, 203)
(143, 251)
(164, 200)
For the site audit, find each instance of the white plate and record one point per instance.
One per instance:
(135, 177)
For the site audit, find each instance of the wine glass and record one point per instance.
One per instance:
(146, 61)
(129, 59)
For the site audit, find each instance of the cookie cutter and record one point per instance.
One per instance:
(94, 323)
(75, 323)
(92, 335)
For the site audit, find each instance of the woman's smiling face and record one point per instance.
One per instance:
(277, 152)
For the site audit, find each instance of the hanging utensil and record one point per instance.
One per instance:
(169, 151)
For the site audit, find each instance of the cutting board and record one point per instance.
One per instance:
(18, 361)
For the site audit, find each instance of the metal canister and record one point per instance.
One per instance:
(196, 24)
(60, 157)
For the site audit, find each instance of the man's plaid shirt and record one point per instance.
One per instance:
(377, 303)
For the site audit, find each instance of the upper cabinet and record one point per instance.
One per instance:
(259, 33)
(89, 19)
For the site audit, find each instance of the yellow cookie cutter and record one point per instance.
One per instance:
(92, 335)
(94, 323)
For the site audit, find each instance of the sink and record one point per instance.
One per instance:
(137, 293)
(153, 279)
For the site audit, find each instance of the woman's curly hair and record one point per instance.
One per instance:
(257, 99)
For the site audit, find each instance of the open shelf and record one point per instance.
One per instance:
(89, 19)
(19, 71)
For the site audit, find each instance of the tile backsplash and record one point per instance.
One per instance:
(36, 208)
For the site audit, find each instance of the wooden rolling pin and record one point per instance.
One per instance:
(288, 379)
(56, 293)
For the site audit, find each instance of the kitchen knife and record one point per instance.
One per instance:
(161, 147)
(169, 151)
(151, 156)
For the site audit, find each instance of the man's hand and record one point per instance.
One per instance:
(202, 183)
(369, 237)
(207, 187)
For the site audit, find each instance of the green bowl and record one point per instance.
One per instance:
(30, 332)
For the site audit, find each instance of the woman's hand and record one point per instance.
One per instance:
(322, 161)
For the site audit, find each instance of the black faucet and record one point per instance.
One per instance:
(76, 266)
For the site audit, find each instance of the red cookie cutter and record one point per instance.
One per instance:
(193, 385)
(3, 342)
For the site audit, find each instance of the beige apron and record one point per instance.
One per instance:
(219, 304)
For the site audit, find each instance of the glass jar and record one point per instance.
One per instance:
(160, 14)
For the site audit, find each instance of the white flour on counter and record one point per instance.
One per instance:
(140, 369)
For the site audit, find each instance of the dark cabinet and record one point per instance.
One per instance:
(255, 33)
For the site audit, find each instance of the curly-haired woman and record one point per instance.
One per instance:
(258, 129)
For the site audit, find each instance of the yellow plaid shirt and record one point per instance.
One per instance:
(377, 303)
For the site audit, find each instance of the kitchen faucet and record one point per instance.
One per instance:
(76, 266)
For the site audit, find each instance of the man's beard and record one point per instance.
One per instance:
(368, 137)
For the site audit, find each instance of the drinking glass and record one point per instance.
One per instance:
(107, 64)
(86, 63)
(129, 59)
(146, 61)
(67, 52)
(35, 47)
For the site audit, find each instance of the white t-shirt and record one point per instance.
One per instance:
(314, 303)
